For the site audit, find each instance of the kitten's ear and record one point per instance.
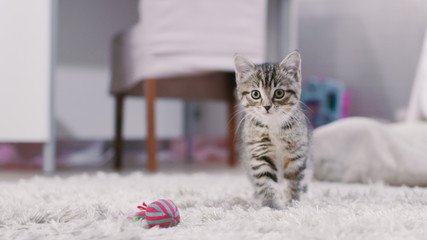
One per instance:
(292, 63)
(243, 68)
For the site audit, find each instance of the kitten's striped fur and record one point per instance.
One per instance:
(275, 136)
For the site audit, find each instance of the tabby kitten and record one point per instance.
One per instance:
(275, 135)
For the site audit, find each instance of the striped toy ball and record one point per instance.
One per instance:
(162, 213)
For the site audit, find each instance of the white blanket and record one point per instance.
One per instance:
(363, 150)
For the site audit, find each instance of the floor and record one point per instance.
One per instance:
(212, 206)
(181, 167)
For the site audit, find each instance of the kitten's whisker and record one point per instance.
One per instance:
(305, 105)
(240, 122)
(234, 115)
(297, 121)
(306, 118)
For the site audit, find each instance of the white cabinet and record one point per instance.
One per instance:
(26, 72)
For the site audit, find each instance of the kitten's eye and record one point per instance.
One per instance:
(255, 94)
(279, 93)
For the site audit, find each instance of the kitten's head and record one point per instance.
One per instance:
(269, 91)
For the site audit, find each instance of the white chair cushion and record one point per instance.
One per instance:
(177, 37)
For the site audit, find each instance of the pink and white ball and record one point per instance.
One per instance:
(162, 213)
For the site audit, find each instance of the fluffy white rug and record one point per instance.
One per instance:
(212, 206)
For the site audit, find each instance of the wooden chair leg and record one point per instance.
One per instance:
(118, 138)
(189, 121)
(150, 87)
(232, 138)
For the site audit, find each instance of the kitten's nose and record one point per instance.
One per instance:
(267, 107)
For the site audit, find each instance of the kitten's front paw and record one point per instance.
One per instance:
(272, 204)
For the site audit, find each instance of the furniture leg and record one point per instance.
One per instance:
(150, 88)
(118, 139)
(189, 129)
(49, 149)
(232, 121)
(49, 164)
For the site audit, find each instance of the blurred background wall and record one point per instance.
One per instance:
(371, 45)
(84, 107)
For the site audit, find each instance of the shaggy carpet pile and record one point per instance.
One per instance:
(212, 206)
